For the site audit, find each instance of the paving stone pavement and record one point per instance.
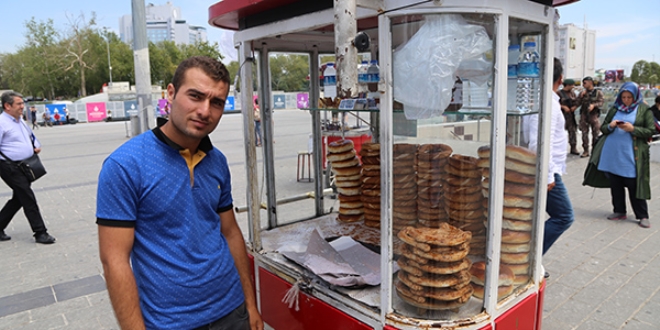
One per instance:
(603, 273)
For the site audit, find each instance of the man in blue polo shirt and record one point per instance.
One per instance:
(173, 254)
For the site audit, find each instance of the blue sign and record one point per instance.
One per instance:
(230, 103)
(56, 112)
(130, 108)
(279, 101)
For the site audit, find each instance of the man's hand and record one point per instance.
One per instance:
(37, 150)
(256, 323)
(550, 186)
(591, 107)
(565, 108)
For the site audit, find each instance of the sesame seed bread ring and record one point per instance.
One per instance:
(426, 168)
(347, 171)
(516, 225)
(352, 191)
(515, 177)
(370, 199)
(442, 268)
(478, 274)
(521, 154)
(404, 215)
(339, 146)
(462, 162)
(483, 162)
(434, 148)
(466, 173)
(519, 269)
(404, 148)
(346, 163)
(441, 281)
(346, 211)
(345, 198)
(446, 294)
(516, 213)
(520, 167)
(348, 177)
(371, 192)
(516, 247)
(370, 186)
(341, 156)
(515, 258)
(403, 170)
(404, 185)
(397, 203)
(430, 203)
(370, 160)
(371, 168)
(350, 218)
(517, 201)
(519, 189)
(348, 184)
(404, 178)
(463, 198)
(412, 299)
(515, 237)
(431, 216)
(370, 146)
(405, 266)
(443, 256)
(502, 291)
(371, 223)
(465, 214)
(520, 280)
(484, 152)
(466, 190)
(458, 181)
(350, 205)
(462, 206)
(429, 183)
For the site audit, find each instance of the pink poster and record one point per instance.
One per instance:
(95, 111)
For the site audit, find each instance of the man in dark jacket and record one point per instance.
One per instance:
(567, 100)
(591, 102)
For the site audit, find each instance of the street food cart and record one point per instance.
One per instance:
(445, 230)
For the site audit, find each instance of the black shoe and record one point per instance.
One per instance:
(4, 237)
(44, 238)
(546, 275)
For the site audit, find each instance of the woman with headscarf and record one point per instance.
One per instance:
(621, 157)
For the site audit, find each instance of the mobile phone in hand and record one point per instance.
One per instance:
(620, 122)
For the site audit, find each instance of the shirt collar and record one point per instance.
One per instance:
(205, 145)
(10, 117)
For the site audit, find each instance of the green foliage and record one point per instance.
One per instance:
(645, 72)
(289, 72)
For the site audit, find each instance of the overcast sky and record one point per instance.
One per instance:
(626, 31)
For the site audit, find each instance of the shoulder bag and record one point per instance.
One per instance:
(32, 167)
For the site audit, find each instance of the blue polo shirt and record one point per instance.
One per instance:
(184, 270)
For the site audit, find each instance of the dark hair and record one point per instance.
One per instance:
(213, 68)
(8, 97)
(557, 70)
(657, 99)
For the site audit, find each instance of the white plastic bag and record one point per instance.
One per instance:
(424, 68)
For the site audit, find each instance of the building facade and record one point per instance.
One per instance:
(164, 23)
(576, 49)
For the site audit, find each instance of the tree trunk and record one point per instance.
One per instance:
(82, 81)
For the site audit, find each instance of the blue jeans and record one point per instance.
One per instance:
(257, 131)
(560, 209)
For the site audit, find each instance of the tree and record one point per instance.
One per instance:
(289, 72)
(645, 72)
(78, 45)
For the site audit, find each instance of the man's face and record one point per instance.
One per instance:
(588, 84)
(568, 88)
(15, 110)
(196, 108)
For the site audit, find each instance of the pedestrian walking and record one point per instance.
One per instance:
(173, 254)
(17, 142)
(591, 101)
(567, 100)
(620, 160)
(558, 204)
(257, 122)
(33, 117)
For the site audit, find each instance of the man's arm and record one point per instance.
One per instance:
(600, 100)
(236, 243)
(115, 244)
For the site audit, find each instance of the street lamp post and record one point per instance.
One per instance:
(107, 42)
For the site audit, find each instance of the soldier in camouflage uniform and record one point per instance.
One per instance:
(591, 101)
(567, 100)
